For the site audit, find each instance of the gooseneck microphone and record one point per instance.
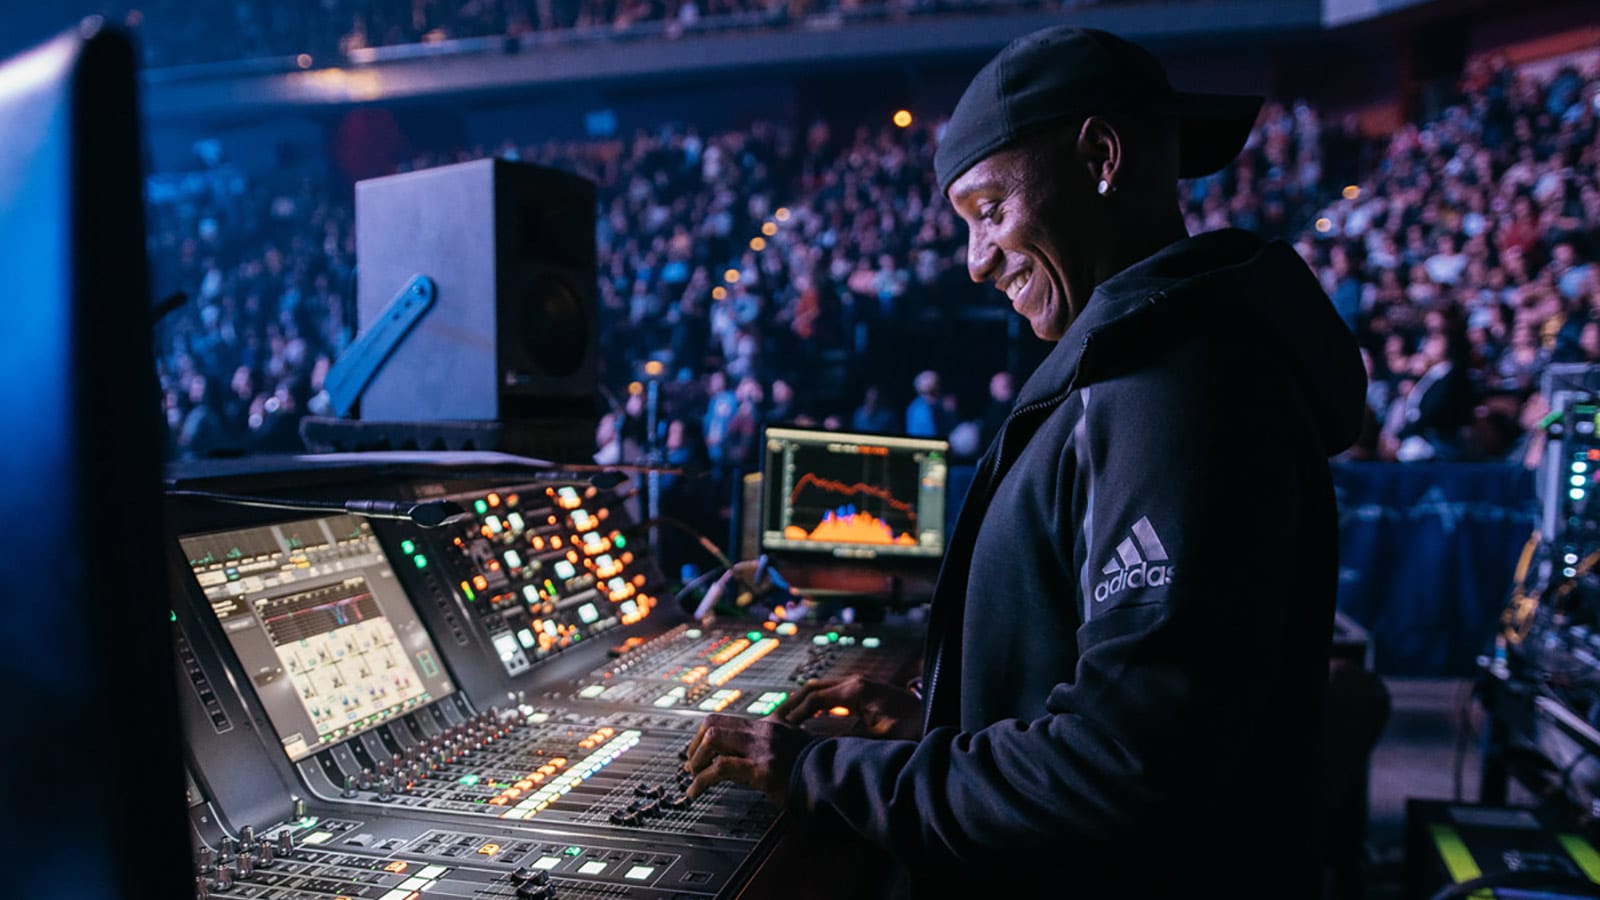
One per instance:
(422, 513)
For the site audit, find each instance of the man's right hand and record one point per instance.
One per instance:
(879, 710)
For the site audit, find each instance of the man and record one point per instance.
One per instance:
(1128, 644)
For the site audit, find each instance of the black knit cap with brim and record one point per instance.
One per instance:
(1061, 74)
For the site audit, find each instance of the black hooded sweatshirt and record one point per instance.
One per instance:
(1128, 643)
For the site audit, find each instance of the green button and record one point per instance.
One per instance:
(481, 506)
(574, 851)
(408, 547)
(174, 614)
(833, 636)
(420, 560)
(467, 780)
(754, 636)
(619, 541)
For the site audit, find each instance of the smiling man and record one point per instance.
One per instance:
(1128, 644)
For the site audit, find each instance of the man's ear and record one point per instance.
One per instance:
(1099, 149)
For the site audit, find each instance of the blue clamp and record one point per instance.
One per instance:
(360, 362)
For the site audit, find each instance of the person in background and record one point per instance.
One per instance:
(1002, 396)
(927, 415)
(871, 416)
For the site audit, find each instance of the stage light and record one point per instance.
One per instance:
(782, 215)
(1351, 192)
(731, 276)
(654, 368)
(1324, 225)
(902, 118)
(758, 244)
(719, 293)
(303, 60)
(769, 229)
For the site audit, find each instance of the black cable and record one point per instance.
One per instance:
(1545, 881)
(1463, 723)
(678, 524)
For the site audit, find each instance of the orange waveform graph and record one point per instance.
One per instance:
(848, 526)
(850, 490)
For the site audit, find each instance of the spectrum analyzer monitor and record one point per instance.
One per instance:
(853, 496)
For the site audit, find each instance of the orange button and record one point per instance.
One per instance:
(488, 849)
(839, 711)
(397, 866)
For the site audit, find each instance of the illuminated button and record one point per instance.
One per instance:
(481, 507)
(488, 849)
(468, 780)
(619, 542)
(547, 862)
(412, 883)
(516, 522)
(513, 559)
(494, 499)
(592, 867)
(870, 642)
(693, 633)
(420, 560)
(640, 873)
(397, 867)
(317, 837)
(408, 547)
(833, 636)
(754, 635)
(531, 594)
(839, 711)
(820, 640)
(432, 872)
(592, 691)
(574, 851)
(788, 629)
(588, 613)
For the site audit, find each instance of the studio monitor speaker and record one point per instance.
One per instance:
(512, 336)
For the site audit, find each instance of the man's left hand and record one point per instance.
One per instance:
(758, 753)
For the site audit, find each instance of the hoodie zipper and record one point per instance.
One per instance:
(994, 478)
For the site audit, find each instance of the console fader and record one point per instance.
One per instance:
(494, 709)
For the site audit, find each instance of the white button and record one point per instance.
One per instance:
(432, 872)
(412, 883)
(591, 868)
(547, 862)
(639, 873)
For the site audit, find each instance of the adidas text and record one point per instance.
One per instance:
(1139, 576)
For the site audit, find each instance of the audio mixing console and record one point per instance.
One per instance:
(494, 709)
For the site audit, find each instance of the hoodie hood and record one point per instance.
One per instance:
(1228, 278)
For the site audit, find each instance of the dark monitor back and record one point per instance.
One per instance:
(92, 804)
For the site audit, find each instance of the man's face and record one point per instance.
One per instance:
(1031, 222)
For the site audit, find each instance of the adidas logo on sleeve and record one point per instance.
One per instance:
(1130, 569)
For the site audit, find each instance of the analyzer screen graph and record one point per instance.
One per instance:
(853, 495)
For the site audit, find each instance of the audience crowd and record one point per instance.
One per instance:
(761, 267)
(181, 32)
